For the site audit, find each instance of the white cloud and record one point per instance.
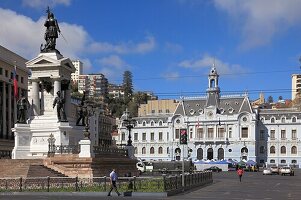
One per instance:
(207, 61)
(171, 75)
(24, 36)
(173, 47)
(112, 66)
(260, 21)
(124, 48)
(45, 3)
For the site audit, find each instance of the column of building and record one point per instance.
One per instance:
(9, 111)
(35, 94)
(4, 107)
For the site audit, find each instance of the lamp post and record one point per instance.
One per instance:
(129, 124)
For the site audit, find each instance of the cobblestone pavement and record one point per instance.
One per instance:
(226, 186)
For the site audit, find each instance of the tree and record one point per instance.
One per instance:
(128, 86)
(270, 99)
(280, 98)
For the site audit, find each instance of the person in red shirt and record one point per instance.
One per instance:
(240, 172)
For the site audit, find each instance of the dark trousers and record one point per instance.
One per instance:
(240, 178)
(113, 186)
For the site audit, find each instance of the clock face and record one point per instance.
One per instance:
(209, 114)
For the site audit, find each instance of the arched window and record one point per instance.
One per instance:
(143, 150)
(294, 150)
(160, 150)
(294, 120)
(272, 161)
(283, 120)
(152, 123)
(160, 123)
(272, 120)
(220, 154)
(261, 149)
(272, 150)
(283, 150)
(199, 154)
(152, 150)
(244, 150)
(294, 161)
(144, 123)
(136, 150)
(283, 161)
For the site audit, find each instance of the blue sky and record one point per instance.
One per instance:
(169, 45)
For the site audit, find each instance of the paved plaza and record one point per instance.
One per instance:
(226, 186)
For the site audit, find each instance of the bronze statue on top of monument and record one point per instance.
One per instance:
(51, 33)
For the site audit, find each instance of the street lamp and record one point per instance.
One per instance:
(129, 123)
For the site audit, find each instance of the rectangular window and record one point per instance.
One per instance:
(272, 134)
(167, 110)
(152, 136)
(199, 133)
(11, 75)
(22, 79)
(167, 136)
(230, 132)
(160, 111)
(153, 111)
(283, 135)
(220, 133)
(261, 135)
(177, 133)
(123, 136)
(1, 71)
(143, 136)
(6, 73)
(294, 134)
(244, 132)
(210, 133)
(160, 136)
(136, 136)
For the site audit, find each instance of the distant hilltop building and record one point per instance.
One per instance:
(116, 91)
(78, 70)
(164, 106)
(296, 85)
(95, 84)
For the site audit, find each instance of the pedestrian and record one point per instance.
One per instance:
(240, 171)
(113, 180)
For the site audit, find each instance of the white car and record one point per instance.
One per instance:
(267, 171)
(286, 170)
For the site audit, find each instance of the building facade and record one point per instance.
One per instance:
(78, 70)
(164, 106)
(116, 91)
(8, 102)
(218, 127)
(296, 85)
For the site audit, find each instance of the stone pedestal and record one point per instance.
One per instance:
(50, 73)
(131, 151)
(85, 149)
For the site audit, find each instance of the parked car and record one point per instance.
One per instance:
(274, 170)
(287, 170)
(213, 169)
(267, 171)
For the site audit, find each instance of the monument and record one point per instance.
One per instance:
(49, 87)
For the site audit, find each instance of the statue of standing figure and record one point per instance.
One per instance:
(52, 31)
(81, 113)
(60, 107)
(22, 107)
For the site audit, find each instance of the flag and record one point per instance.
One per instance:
(15, 82)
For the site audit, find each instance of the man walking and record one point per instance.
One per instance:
(240, 171)
(113, 179)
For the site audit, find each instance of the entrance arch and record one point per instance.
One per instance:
(220, 154)
(178, 153)
(200, 154)
(244, 153)
(210, 154)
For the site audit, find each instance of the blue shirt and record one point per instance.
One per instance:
(113, 176)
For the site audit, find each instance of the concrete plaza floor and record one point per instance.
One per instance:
(226, 186)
